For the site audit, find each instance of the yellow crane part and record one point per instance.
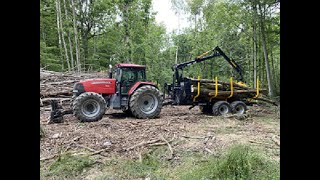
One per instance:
(198, 93)
(216, 86)
(231, 88)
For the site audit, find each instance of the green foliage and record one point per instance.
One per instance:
(238, 162)
(106, 38)
(241, 162)
(148, 166)
(68, 166)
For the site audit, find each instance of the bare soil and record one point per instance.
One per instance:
(118, 134)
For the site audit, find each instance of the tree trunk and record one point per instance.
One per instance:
(126, 28)
(69, 36)
(62, 35)
(85, 50)
(59, 34)
(254, 44)
(264, 43)
(76, 37)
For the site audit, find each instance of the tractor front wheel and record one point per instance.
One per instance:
(89, 106)
(146, 102)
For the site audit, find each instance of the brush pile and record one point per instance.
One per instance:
(58, 85)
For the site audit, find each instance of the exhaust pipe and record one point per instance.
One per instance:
(110, 71)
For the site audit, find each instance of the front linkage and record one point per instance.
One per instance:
(57, 112)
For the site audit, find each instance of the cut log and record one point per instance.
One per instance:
(60, 82)
(234, 92)
(267, 100)
(56, 93)
(212, 83)
(47, 101)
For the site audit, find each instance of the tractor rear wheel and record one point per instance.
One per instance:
(89, 106)
(146, 102)
(221, 108)
(238, 107)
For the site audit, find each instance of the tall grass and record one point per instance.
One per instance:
(237, 163)
(240, 162)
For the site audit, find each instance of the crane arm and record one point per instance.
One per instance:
(216, 52)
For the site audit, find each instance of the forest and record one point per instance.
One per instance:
(88, 35)
(82, 133)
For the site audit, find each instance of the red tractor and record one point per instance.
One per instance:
(128, 90)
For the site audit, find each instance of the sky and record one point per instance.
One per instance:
(167, 15)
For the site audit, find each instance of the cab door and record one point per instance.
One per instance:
(128, 79)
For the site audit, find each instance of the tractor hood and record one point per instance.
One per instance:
(101, 86)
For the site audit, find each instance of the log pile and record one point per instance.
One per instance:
(58, 86)
(207, 90)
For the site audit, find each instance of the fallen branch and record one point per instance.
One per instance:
(209, 137)
(262, 143)
(209, 151)
(170, 148)
(159, 144)
(142, 144)
(50, 157)
(193, 137)
(275, 140)
(258, 142)
(98, 152)
(84, 147)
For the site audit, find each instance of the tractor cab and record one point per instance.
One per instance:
(127, 75)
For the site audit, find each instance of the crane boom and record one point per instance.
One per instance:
(216, 52)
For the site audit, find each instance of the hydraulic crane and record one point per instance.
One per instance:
(180, 89)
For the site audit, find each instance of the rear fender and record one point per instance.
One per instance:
(139, 84)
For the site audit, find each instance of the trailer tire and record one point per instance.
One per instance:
(238, 107)
(221, 108)
(89, 107)
(146, 102)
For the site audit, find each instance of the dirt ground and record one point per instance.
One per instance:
(186, 130)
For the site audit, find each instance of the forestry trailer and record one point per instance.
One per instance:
(128, 91)
(217, 98)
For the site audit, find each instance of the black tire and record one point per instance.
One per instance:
(89, 107)
(127, 112)
(205, 109)
(221, 108)
(238, 107)
(146, 102)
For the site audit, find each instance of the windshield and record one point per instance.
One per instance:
(133, 74)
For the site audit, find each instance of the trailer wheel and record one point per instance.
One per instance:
(146, 102)
(221, 108)
(238, 107)
(205, 109)
(89, 106)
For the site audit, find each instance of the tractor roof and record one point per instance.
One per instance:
(130, 65)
